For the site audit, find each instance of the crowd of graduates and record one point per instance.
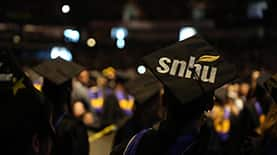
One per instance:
(163, 111)
(239, 113)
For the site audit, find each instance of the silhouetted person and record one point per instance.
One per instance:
(190, 72)
(25, 116)
(71, 134)
(148, 111)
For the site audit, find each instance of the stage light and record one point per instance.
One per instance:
(119, 33)
(62, 52)
(65, 9)
(91, 42)
(71, 35)
(141, 69)
(120, 43)
(186, 32)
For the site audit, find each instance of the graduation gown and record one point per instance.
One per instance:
(164, 141)
(71, 137)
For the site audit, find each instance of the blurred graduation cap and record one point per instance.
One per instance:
(190, 69)
(122, 77)
(58, 71)
(22, 106)
(271, 86)
(95, 74)
(144, 87)
(31, 74)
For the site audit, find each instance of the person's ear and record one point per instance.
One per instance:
(35, 143)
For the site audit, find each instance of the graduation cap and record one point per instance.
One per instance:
(144, 87)
(190, 69)
(58, 71)
(271, 86)
(122, 77)
(95, 74)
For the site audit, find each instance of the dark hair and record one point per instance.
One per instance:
(58, 95)
(147, 112)
(188, 111)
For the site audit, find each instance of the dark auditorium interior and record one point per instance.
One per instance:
(110, 37)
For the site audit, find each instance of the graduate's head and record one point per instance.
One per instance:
(260, 90)
(244, 89)
(147, 91)
(84, 77)
(221, 95)
(25, 114)
(101, 81)
(261, 93)
(57, 94)
(58, 74)
(192, 110)
(190, 71)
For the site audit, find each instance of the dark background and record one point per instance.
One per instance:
(248, 42)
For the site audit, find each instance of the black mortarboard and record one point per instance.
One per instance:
(144, 87)
(58, 70)
(190, 68)
(271, 86)
(121, 77)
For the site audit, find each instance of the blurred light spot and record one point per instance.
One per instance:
(65, 8)
(71, 35)
(141, 69)
(119, 33)
(120, 43)
(29, 28)
(16, 39)
(186, 32)
(62, 52)
(91, 42)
